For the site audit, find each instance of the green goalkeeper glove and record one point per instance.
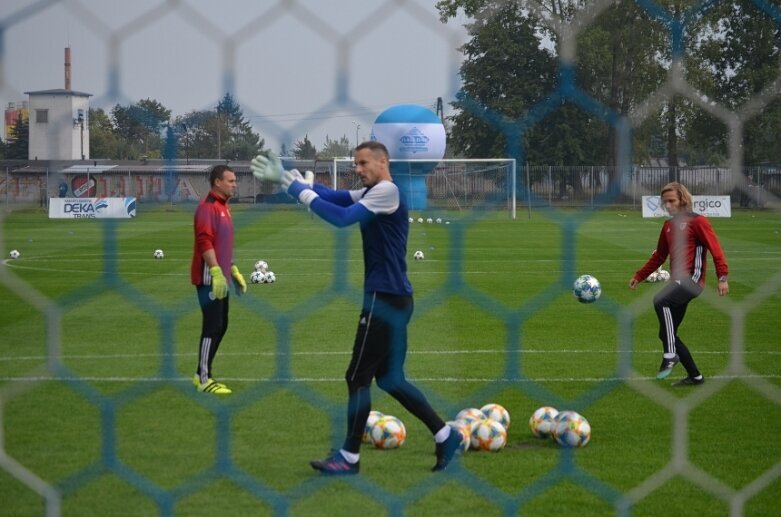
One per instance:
(267, 167)
(241, 284)
(219, 284)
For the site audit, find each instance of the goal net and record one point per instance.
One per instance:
(447, 184)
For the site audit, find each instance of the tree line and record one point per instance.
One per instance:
(146, 129)
(511, 100)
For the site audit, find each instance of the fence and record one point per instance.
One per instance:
(451, 184)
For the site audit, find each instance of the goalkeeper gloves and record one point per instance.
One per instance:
(309, 178)
(267, 167)
(289, 177)
(219, 284)
(241, 284)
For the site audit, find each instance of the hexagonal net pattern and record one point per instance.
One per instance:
(109, 414)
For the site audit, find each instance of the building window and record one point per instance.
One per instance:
(42, 116)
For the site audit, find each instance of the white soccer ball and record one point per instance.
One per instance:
(411, 220)
(270, 277)
(489, 435)
(439, 220)
(388, 432)
(418, 255)
(464, 430)
(663, 275)
(370, 421)
(653, 277)
(587, 289)
(572, 430)
(543, 421)
(420, 219)
(158, 254)
(497, 412)
(14, 254)
(257, 277)
(429, 220)
(261, 265)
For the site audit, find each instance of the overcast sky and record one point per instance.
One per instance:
(296, 67)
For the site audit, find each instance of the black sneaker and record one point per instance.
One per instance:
(336, 465)
(447, 450)
(689, 381)
(666, 367)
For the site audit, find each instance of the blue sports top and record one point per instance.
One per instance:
(384, 226)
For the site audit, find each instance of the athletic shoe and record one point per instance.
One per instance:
(666, 367)
(336, 465)
(689, 381)
(211, 386)
(447, 450)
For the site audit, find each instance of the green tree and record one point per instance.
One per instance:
(18, 146)
(241, 142)
(103, 141)
(335, 148)
(304, 150)
(139, 127)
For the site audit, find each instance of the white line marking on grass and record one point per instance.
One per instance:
(43, 378)
(348, 352)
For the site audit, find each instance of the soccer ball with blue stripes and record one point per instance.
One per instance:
(587, 289)
(489, 435)
(572, 429)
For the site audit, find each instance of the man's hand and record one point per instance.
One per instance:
(241, 284)
(267, 167)
(219, 284)
(289, 177)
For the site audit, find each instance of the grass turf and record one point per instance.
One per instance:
(98, 341)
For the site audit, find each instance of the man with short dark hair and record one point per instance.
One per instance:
(212, 265)
(380, 346)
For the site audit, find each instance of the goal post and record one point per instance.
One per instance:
(448, 184)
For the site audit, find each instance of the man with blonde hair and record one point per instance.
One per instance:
(685, 238)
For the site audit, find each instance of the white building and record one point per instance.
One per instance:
(59, 128)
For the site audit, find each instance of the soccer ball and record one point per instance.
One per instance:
(439, 220)
(257, 277)
(388, 432)
(586, 289)
(270, 277)
(489, 435)
(261, 265)
(663, 275)
(543, 421)
(429, 220)
(653, 277)
(572, 431)
(158, 254)
(470, 413)
(420, 219)
(497, 412)
(370, 421)
(14, 254)
(418, 255)
(411, 220)
(463, 429)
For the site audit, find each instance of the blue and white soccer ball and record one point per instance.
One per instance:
(270, 277)
(261, 265)
(543, 421)
(572, 430)
(158, 254)
(587, 289)
(14, 254)
(497, 412)
(372, 419)
(257, 277)
(418, 255)
(489, 435)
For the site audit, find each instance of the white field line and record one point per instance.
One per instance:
(348, 352)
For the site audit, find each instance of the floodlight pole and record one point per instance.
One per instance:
(357, 127)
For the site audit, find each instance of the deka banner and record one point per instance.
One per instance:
(92, 208)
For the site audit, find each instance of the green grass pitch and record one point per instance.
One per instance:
(98, 342)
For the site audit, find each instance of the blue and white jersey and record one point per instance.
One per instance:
(384, 239)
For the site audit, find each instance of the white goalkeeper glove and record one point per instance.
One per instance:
(289, 177)
(309, 178)
(267, 167)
